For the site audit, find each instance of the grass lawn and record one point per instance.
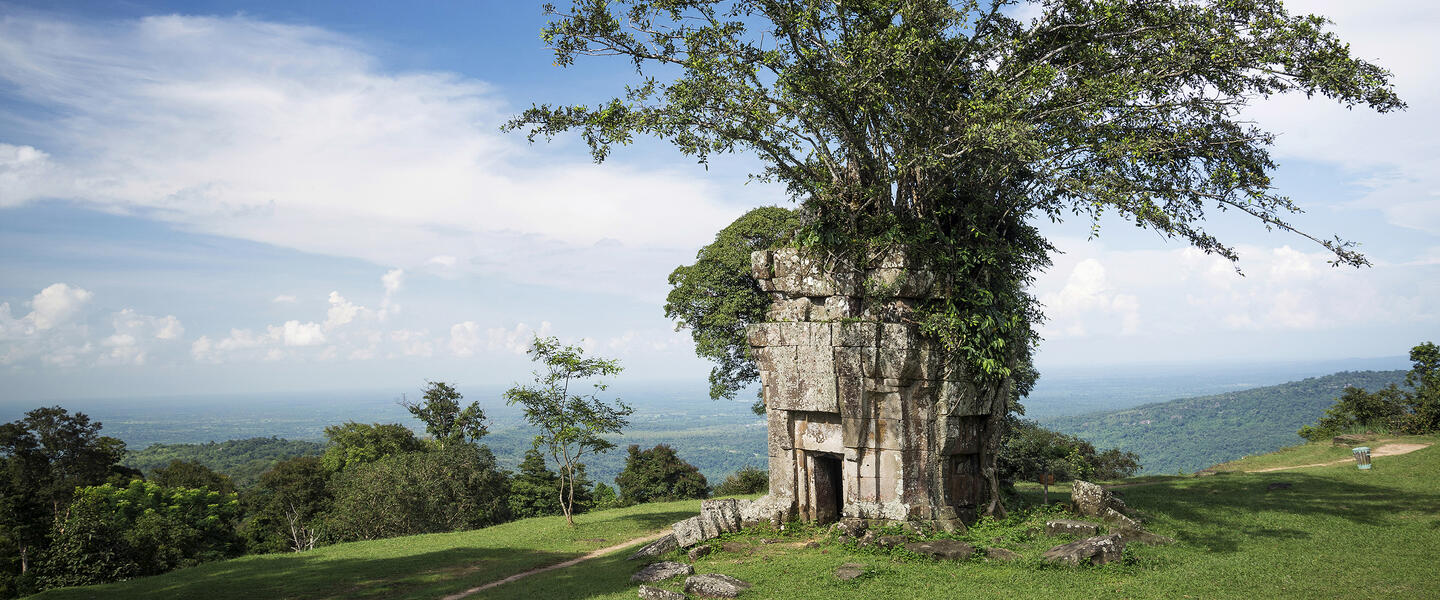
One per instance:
(425, 566)
(1336, 533)
(1316, 453)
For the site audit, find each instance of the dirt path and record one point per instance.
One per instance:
(1385, 450)
(568, 563)
(1382, 450)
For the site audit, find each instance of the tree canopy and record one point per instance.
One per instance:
(949, 128)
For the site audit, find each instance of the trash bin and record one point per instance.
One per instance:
(1362, 457)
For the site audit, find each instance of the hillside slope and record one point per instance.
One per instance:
(1325, 532)
(1194, 433)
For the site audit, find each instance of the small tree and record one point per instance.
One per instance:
(285, 508)
(534, 491)
(658, 474)
(444, 420)
(748, 480)
(570, 424)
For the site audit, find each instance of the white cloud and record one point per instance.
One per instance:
(515, 340)
(1086, 300)
(293, 136)
(56, 304)
(464, 338)
(341, 311)
(55, 332)
(1396, 156)
(295, 333)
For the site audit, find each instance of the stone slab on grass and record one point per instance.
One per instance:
(1054, 527)
(657, 548)
(715, 585)
(1096, 550)
(654, 593)
(660, 571)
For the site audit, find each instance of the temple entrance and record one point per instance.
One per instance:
(829, 487)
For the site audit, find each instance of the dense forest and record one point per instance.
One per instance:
(1194, 433)
(242, 460)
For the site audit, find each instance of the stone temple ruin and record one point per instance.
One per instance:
(867, 418)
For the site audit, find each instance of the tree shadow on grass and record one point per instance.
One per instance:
(1224, 511)
(312, 576)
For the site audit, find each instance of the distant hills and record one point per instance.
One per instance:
(1190, 434)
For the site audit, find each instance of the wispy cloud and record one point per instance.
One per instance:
(293, 136)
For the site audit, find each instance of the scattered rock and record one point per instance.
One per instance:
(1097, 550)
(660, 547)
(942, 549)
(1279, 485)
(891, 541)
(852, 527)
(661, 570)
(715, 585)
(699, 552)
(1144, 537)
(849, 571)
(654, 593)
(769, 541)
(1054, 527)
(1094, 501)
(716, 517)
(735, 548)
(1001, 554)
(812, 544)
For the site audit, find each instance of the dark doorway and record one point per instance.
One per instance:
(829, 489)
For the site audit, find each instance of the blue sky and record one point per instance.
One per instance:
(222, 197)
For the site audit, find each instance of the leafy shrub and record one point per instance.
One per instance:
(658, 475)
(748, 480)
(535, 490)
(284, 509)
(111, 533)
(451, 489)
(1030, 451)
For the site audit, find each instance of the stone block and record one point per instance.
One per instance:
(883, 385)
(1096, 550)
(778, 430)
(660, 547)
(760, 264)
(654, 593)
(959, 398)
(897, 335)
(818, 432)
(875, 433)
(836, 308)
(855, 333)
(889, 363)
(797, 309)
(774, 358)
(688, 532)
(899, 282)
(782, 474)
(873, 462)
(1054, 527)
(660, 571)
(715, 585)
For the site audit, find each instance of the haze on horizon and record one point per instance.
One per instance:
(219, 197)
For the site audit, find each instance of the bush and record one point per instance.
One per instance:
(535, 490)
(451, 489)
(286, 506)
(658, 475)
(748, 480)
(111, 533)
(1030, 451)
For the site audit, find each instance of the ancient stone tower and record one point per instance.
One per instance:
(867, 418)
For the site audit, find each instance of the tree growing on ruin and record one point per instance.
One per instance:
(947, 129)
(571, 424)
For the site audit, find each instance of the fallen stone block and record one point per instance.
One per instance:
(942, 549)
(660, 571)
(654, 593)
(1054, 527)
(657, 548)
(698, 552)
(1001, 554)
(1096, 550)
(715, 585)
(849, 571)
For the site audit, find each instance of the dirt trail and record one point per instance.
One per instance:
(1385, 450)
(568, 563)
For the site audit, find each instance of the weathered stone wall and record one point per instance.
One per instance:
(846, 376)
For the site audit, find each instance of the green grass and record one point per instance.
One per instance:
(1337, 532)
(426, 566)
(1313, 453)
